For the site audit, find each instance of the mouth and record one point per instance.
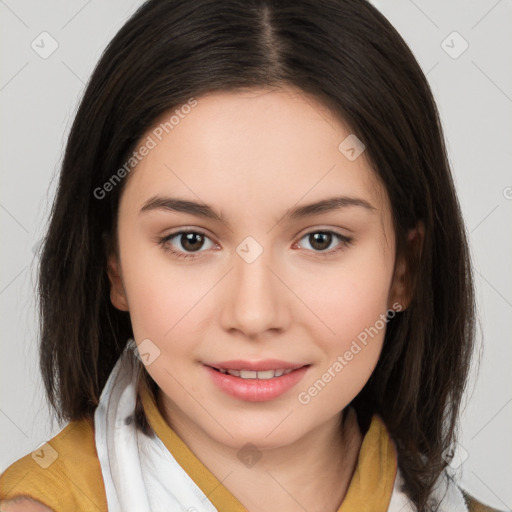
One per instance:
(250, 374)
(256, 381)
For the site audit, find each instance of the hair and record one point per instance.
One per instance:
(350, 58)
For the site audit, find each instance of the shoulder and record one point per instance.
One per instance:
(63, 473)
(474, 505)
(447, 496)
(451, 496)
(24, 505)
(457, 495)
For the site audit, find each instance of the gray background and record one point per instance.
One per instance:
(38, 98)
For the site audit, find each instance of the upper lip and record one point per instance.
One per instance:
(256, 366)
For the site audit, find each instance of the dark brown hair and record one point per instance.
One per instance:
(348, 56)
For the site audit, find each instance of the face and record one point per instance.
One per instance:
(263, 317)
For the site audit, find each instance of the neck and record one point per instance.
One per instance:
(313, 473)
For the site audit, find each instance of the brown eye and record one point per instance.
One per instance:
(191, 241)
(322, 241)
(184, 244)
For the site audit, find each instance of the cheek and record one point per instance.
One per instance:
(350, 297)
(351, 302)
(162, 297)
(165, 303)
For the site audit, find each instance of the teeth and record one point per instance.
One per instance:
(263, 375)
(247, 374)
(267, 374)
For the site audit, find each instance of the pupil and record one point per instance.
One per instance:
(320, 240)
(189, 241)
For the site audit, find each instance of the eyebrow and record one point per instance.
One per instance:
(205, 211)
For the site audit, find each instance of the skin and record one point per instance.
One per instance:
(23, 504)
(252, 155)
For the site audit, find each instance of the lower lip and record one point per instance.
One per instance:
(256, 390)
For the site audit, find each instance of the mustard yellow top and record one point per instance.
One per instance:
(65, 475)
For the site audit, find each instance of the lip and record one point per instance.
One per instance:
(256, 366)
(255, 390)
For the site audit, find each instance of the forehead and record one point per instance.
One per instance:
(280, 145)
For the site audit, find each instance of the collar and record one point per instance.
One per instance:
(370, 488)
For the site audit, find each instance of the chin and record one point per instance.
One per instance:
(269, 433)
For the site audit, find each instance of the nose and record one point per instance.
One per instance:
(255, 299)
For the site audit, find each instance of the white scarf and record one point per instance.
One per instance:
(141, 475)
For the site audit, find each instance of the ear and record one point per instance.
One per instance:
(117, 291)
(404, 277)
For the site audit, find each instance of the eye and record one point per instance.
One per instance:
(188, 244)
(321, 241)
(183, 244)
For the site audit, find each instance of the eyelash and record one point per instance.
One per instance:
(345, 242)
